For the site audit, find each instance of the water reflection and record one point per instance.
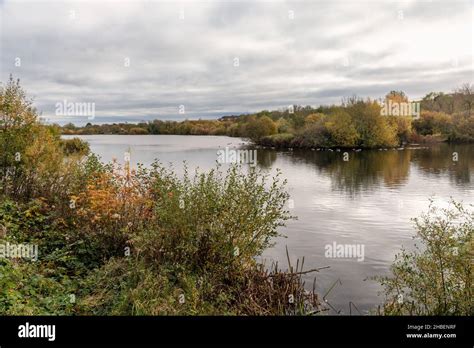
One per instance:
(441, 160)
(367, 200)
(366, 170)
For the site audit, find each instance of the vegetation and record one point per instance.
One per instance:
(116, 241)
(437, 277)
(356, 123)
(74, 146)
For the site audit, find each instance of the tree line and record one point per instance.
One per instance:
(356, 122)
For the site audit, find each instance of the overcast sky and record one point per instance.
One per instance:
(230, 57)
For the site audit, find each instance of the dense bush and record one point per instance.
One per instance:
(431, 123)
(75, 146)
(259, 127)
(277, 140)
(134, 242)
(312, 135)
(342, 131)
(436, 278)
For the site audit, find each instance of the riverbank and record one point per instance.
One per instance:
(357, 123)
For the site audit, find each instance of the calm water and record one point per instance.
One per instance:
(368, 200)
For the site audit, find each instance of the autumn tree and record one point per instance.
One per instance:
(260, 127)
(373, 128)
(283, 126)
(464, 97)
(31, 153)
(397, 97)
(341, 129)
(432, 123)
(18, 119)
(402, 126)
(314, 118)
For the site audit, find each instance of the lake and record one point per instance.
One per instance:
(367, 200)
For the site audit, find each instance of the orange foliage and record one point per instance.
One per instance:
(113, 201)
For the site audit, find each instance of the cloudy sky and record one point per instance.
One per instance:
(140, 60)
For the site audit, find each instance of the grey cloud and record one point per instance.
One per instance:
(330, 50)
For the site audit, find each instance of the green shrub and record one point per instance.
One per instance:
(258, 127)
(437, 277)
(75, 146)
(313, 135)
(212, 222)
(277, 140)
(30, 289)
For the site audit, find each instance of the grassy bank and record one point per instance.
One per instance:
(149, 243)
